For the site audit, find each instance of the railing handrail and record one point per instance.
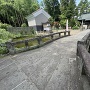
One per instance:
(83, 47)
(10, 45)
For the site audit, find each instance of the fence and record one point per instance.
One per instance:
(21, 30)
(83, 54)
(38, 41)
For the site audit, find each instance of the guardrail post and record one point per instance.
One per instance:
(59, 35)
(39, 39)
(64, 33)
(10, 47)
(51, 36)
(26, 43)
(68, 33)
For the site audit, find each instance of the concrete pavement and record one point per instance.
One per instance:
(51, 67)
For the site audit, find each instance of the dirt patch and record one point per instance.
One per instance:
(72, 32)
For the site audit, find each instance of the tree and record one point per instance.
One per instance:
(83, 7)
(13, 12)
(68, 8)
(10, 15)
(53, 8)
(68, 11)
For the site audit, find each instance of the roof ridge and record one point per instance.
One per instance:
(36, 11)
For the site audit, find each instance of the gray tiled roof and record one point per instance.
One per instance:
(84, 17)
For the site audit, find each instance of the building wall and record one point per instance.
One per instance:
(36, 22)
(32, 22)
(41, 18)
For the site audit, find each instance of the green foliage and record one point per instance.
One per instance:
(63, 23)
(72, 23)
(13, 12)
(5, 36)
(68, 8)
(3, 50)
(4, 26)
(10, 15)
(24, 25)
(68, 11)
(53, 8)
(75, 27)
(32, 31)
(84, 7)
(51, 21)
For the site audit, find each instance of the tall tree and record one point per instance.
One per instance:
(68, 11)
(14, 11)
(53, 8)
(10, 15)
(68, 8)
(26, 6)
(83, 7)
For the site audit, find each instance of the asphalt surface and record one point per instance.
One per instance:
(51, 67)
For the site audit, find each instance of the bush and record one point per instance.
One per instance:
(75, 27)
(3, 50)
(32, 31)
(4, 26)
(5, 36)
(63, 23)
(24, 25)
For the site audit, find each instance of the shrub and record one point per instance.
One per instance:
(63, 23)
(4, 26)
(24, 25)
(32, 31)
(75, 27)
(3, 50)
(5, 35)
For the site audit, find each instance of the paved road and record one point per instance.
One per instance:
(52, 67)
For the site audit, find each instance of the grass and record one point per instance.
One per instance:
(30, 43)
(23, 37)
(46, 39)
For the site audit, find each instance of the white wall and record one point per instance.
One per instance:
(41, 18)
(32, 22)
(85, 26)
